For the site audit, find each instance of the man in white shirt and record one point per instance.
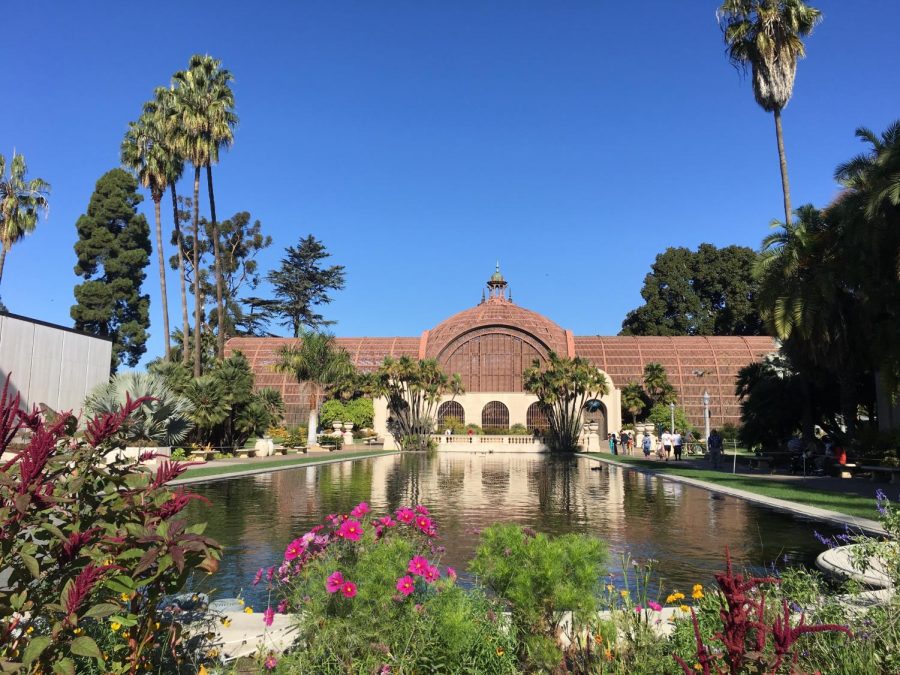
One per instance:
(667, 443)
(677, 443)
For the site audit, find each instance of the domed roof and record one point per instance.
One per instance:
(496, 312)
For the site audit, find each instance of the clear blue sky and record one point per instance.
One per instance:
(423, 141)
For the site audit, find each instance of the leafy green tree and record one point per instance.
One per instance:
(657, 385)
(710, 291)
(113, 251)
(563, 386)
(212, 406)
(360, 412)
(661, 417)
(634, 400)
(766, 36)
(772, 395)
(300, 285)
(21, 203)
(317, 360)
(414, 390)
(204, 112)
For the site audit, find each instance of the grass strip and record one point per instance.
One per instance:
(842, 502)
(203, 472)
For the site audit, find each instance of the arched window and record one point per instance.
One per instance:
(536, 418)
(595, 411)
(494, 417)
(450, 413)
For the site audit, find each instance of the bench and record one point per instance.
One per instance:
(203, 454)
(245, 452)
(893, 472)
(845, 470)
(374, 440)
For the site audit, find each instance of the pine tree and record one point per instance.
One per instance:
(113, 251)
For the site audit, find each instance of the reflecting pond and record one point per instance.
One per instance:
(686, 529)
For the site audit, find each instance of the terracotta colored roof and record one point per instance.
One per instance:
(693, 364)
(496, 312)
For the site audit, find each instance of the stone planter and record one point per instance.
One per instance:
(337, 426)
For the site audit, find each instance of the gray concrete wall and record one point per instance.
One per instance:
(50, 364)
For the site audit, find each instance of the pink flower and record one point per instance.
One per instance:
(451, 574)
(405, 515)
(258, 576)
(406, 585)
(418, 565)
(638, 609)
(431, 574)
(424, 523)
(270, 573)
(294, 549)
(282, 607)
(387, 521)
(348, 589)
(360, 510)
(334, 582)
(271, 662)
(422, 510)
(268, 616)
(655, 606)
(350, 529)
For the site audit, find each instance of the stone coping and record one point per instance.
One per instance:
(815, 513)
(838, 562)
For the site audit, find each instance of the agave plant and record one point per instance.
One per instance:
(165, 419)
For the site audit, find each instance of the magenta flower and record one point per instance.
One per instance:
(655, 606)
(424, 523)
(638, 609)
(270, 573)
(348, 590)
(294, 549)
(271, 662)
(360, 510)
(387, 521)
(421, 510)
(406, 585)
(350, 530)
(431, 574)
(418, 565)
(258, 576)
(268, 616)
(334, 582)
(282, 607)
(451, 574)
(405, 515)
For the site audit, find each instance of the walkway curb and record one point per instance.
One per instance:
(864, 524)
(271, 469)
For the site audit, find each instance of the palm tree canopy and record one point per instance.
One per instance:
(767, 36)
(204, 110)
(144, 153)
(21, 201)
(316, 358)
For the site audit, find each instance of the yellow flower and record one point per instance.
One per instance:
(698, 667)
(685, 609)
(157, 625)
(226, 621)
(125, 597)
(674, 597)
(610, 587)
(697, 594)
(500, 651)
(624, 594)
(29, 630)
(212, 653)
(115, 625)
(240, 602)
(203, 670)
(78, 631)
(248, 610)
(697, 587)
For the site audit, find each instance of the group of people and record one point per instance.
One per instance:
(671, 444)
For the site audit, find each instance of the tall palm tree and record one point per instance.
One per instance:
(317, 360)
(144, 154)
(163, 108)
(21, 203)
(205, 111)
(767, 36)
(657, 385)
(633, 400)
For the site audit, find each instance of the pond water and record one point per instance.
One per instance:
(685, 529)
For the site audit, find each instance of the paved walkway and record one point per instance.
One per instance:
(837, 485)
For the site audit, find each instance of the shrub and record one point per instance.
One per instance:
(359, 411)
(661, 416)
(373, 596)
(90, 549)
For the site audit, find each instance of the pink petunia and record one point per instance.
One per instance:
(348, 590)
(406, 585)
(424, 523)
(294, 549)
(334, 582)
(655, 606)
(268, 616)
(431, 574)
(360, 510)
(405, 515)
(418, 565)
(350, 530)
(421, 510)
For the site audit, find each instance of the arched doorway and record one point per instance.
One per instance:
(536, 418)
(495, 417)
(595, 411)
(450, 414)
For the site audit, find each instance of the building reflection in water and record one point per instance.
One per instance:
(685, 529)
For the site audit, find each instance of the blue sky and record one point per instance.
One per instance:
(424, 141)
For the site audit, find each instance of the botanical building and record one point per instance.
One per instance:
(491, 344)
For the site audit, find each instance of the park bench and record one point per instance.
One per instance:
(374, 440)
(204, 454)
(245, 452)
(876, 472)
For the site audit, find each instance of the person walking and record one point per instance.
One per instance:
(623, 442)
(647, 444)
(714, 444)
(667, 443)
(677, 444)
(613, 444)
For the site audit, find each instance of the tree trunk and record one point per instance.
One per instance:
(220, 308)
(186, 324)
(848, 404)
(198, 301)
(2, 260)
(311, 437)
(782, 161)
(164, 299)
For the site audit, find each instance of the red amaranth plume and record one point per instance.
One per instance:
(73, 545)
(784, 636)
(167, 471)
(704, 658)
(10, 422)
(83, 584)
(101, 428)
(33, 459)
(179, 500)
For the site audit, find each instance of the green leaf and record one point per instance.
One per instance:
(85, 646)
(100, 611)
(54, 530)
(64, 667)
(32, 564)
(127, 621)
(131, 553)
(35, 647)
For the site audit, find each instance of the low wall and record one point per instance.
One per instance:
(478, 443)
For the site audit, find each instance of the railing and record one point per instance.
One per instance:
(477, 439)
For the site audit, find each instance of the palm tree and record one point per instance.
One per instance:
(633, 399)
(766, 36)
(205, 112)
(657, 385)
(317, 360)
(144, 154)
(21, 202)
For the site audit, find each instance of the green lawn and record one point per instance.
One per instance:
(850, 504)
(206, 471)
